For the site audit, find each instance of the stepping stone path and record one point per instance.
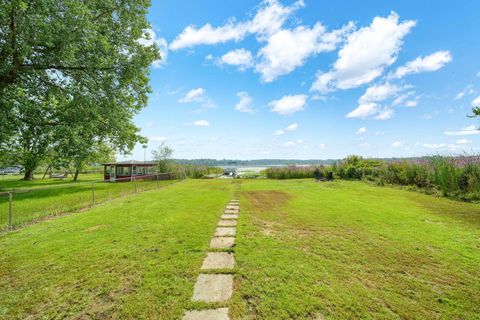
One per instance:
(215, 287)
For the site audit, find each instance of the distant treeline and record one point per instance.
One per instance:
(280, 162)
(251, 163)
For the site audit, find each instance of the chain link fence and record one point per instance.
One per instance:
(23, 206)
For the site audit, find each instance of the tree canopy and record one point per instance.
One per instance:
(72, 73)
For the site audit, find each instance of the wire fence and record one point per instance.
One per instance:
(23, 206)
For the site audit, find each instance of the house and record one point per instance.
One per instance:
(129, 170)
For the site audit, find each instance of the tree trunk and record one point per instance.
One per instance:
(28, 175)
(75, 177)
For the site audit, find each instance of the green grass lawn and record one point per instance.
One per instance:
(8, 182)
(349, 250)
(132, 258)
(305, 250)
(48, 197)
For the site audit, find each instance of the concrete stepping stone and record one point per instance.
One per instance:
(227, 223)
(213, 288)
(232, 207)
(229, 216)
(231, 211)
(225, 232)
(218, 260)
(222, 242)
(209, 314)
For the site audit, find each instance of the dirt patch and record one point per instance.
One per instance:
(271, 201)
(94, 228)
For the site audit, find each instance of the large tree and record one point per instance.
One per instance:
(87, 57)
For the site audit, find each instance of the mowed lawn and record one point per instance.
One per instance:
(46, 197)
(305, 250)
(132, 258)
(349, 250)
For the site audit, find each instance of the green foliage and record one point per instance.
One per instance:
(457, 177)
(72, 70)
(163, 157)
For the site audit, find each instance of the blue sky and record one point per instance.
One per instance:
(313, 79)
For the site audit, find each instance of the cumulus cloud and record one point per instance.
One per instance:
(292, 143)
(364, 111)
(194, 95)
(466, 131)
(368, 103)
(287, 49)
(292, 127)
(201, 123)
(269, 18)
(381, 92)
(362, 130)
(240, 57)
(365, 55)
(289, 104)
(197, 95)
(429, 63)
(245, 103)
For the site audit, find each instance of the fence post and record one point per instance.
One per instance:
(135, 184)
(158, 185)
(10, 205)
(93, 195)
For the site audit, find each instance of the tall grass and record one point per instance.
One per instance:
(449, 176)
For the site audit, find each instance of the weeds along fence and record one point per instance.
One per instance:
(22, 206)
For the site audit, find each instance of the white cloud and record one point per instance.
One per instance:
(240, 57)
(429, 63)
(463, 141)
(245, 103)
(269, 18)
(364, 111)
(157, 139)
(476, 102)
(194, 95)
(198, 95)
(362, 130)
(467, 90)
(287, 49)
(398, 144)
(292, 143)
(292, 127)
(201, 123)
(385, 114)
(289, 104)
(381, 92)
(191, 36)
(368, 102)
(366, 54)
(411, 103)
(364, 145)
(322, 146)
(151, 38)
(466, 131)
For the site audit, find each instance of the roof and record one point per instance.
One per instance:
(131, 162)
